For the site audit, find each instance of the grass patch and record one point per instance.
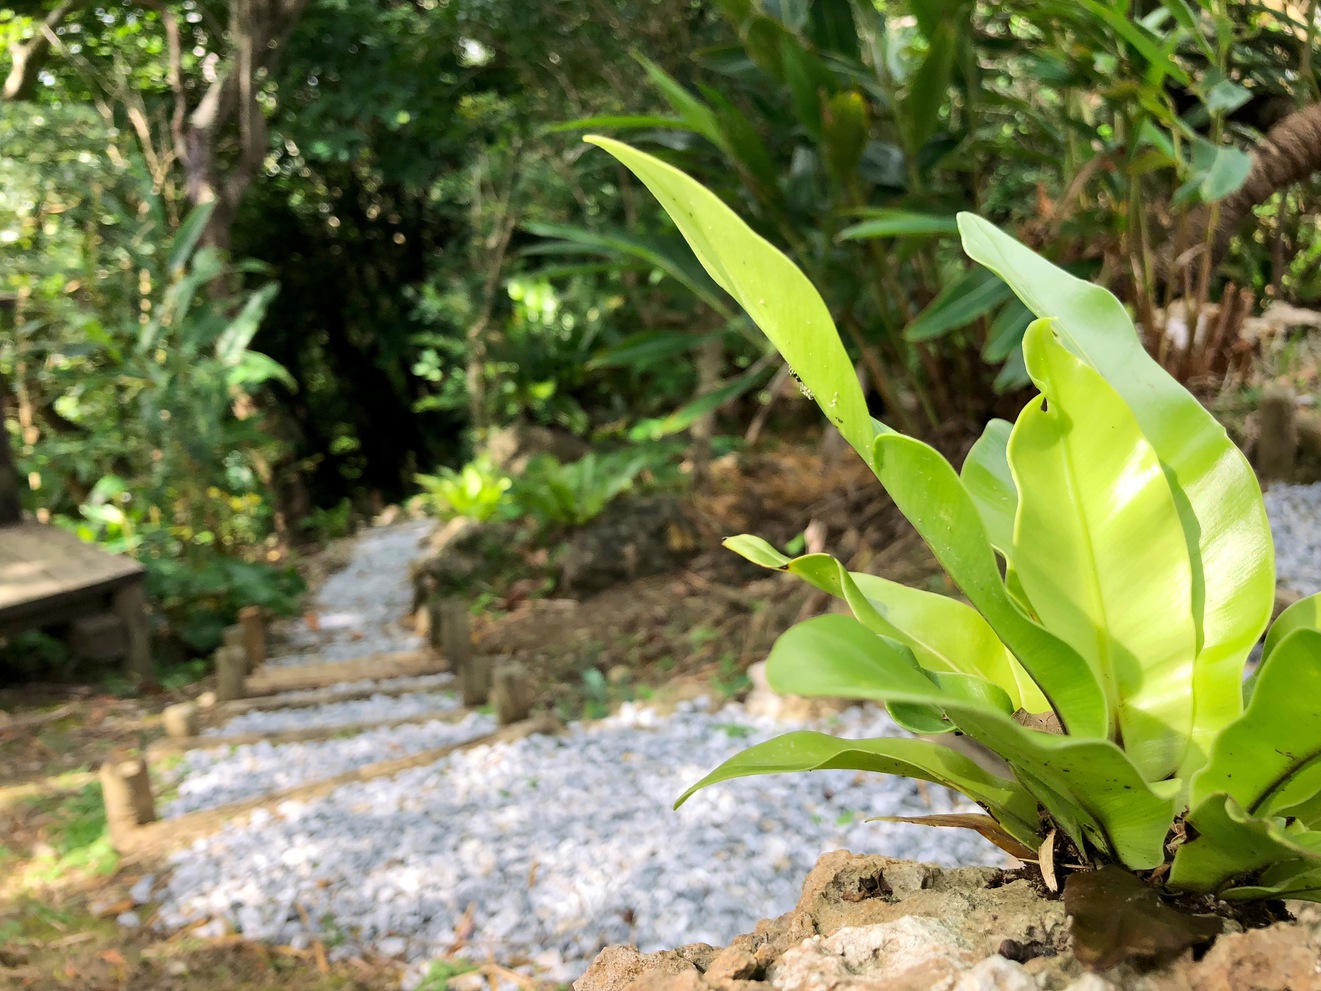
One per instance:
(77, 838)
(441, 972)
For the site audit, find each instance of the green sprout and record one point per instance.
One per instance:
(1114, 547)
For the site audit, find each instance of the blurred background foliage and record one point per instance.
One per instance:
(263, 263)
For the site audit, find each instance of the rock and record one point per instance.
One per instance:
(996, 974)
(616, 967)
(764, 701)
(128, 920)
(459, 553)
(633, 538)
(141, 891)
(908, 954)
(732, 964)
(511, 448)
(870, 923)
(1276, 959)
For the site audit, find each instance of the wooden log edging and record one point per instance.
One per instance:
(160, 836)
(178, 745)
(271, 680)
(222, 711)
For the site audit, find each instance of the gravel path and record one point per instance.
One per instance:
(359, 610)
(1295, 515)
(208, 778)
(374, 707)
(559, 845)
(550, 846)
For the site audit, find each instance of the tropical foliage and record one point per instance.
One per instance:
(1113, 549)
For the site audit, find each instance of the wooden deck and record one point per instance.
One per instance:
(44, 569)
(49, 576)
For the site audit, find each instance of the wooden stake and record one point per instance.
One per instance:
(181, 721)
(455, 633)
(254, 636)
(1277, 432)
(130, 605)
(231, 671)
(512, 692)
(126, 792)
(476, 680)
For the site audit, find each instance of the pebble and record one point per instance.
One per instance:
(1295, 516)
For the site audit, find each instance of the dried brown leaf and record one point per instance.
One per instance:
(1115, 917)
(1046, 861)
(985, 825)
(1046, 722)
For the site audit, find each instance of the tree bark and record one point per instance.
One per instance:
(1289, 153)
(28, 59)
(11, 500)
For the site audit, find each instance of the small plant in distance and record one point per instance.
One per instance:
(1114, 547)
(473, 492)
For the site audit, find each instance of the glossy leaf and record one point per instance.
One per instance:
(1231, 843)
(1277, 737)
(943, 633)
(1229, 170)
(775, 294)
(1305, 614)
(1100, 552)
(1091, 787)
(929, 493)
(1006, 332)
(1219, 500)
(808, 751)
(990, 483)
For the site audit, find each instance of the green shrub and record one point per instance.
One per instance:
(474, 492)
(1115, 550)
(571, 494)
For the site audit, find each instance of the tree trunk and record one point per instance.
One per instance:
(28, 59)
(1289, 153)
(11, 501)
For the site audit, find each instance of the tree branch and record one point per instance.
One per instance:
(29, 59)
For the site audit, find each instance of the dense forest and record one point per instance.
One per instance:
(267, 266)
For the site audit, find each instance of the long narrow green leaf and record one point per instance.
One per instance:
(944, 634)
(666, 255)
(1231, 843)
(1099, 549)
(1006, 331)
(625, 121)
(1219, 500)
(921, 759)
(991, 485)
(1305, 614)
(929, 493)
(189, 233)
(972, 295)
(696, 114)
(1090, 782)
(899, 223)
(1278, 737)
(776, 295)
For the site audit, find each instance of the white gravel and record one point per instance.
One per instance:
(361, 609)
(556, 846)
(560, 845)
(1295, 515)
(374, 708)
(208, 778)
